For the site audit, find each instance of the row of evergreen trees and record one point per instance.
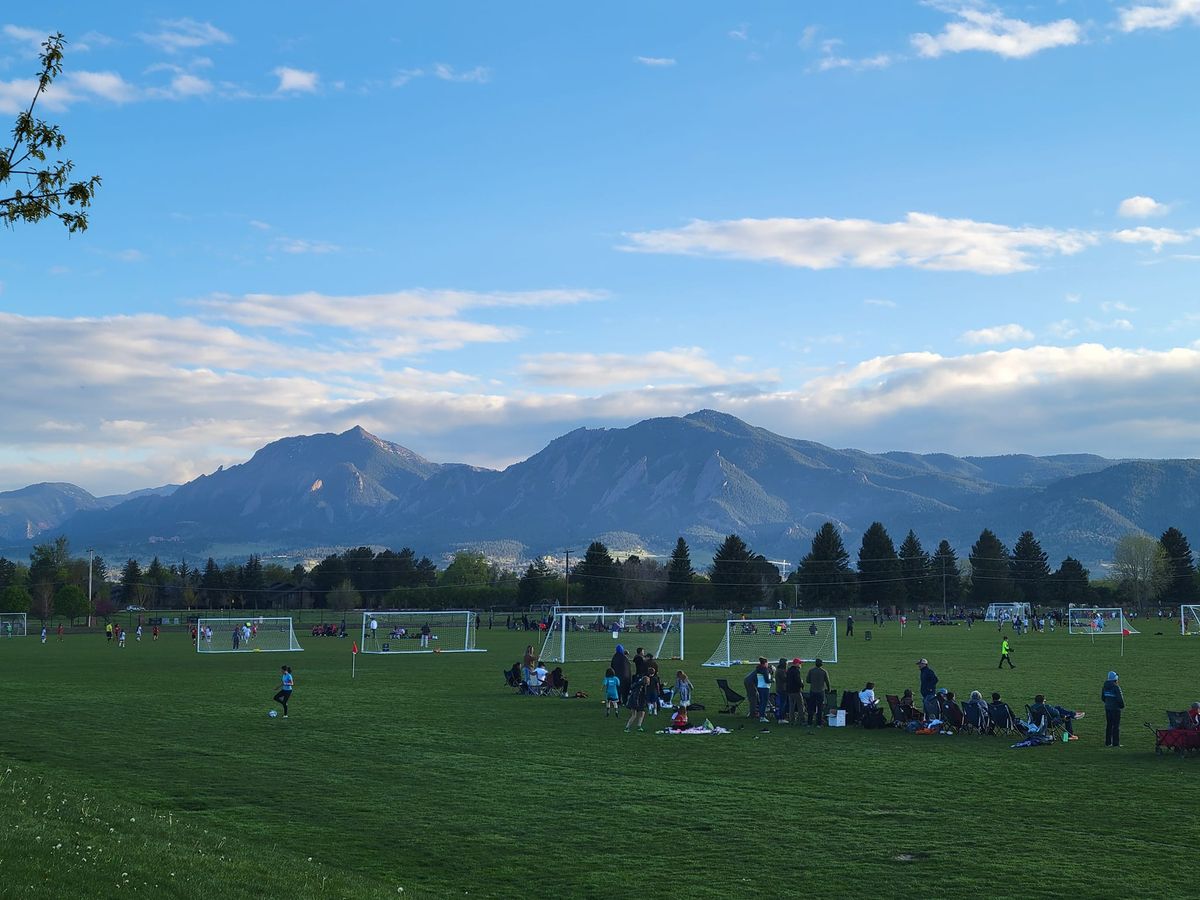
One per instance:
(1146, 571)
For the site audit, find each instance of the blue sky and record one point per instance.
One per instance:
(470, 227)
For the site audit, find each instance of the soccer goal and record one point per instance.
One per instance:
(746, 640)
(419, 631)
(577, 611)
(12, 625)
(258, 634)
(1098, 620)
(594, 637)
(1006, 612)
(1189, 619)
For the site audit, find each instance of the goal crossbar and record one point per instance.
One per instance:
(1098, 620)
(746, 640)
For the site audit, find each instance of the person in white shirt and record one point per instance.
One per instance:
(867, 696)
(540, 674)
(138, 634)
(374, 627)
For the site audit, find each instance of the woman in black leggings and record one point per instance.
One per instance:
(286, 683)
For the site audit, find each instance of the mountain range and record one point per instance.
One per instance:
(702, 476)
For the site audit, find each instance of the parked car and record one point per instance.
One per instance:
(135, 609)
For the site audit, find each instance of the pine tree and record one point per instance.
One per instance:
(945, 579)
(735, 575)
(879, 582)
(1182, 569)
(533, 582)
(826, 579)
(679, 577)
(1029, 569)
(597, 575)
(915, 567)
(990, 579)
(1070, 584)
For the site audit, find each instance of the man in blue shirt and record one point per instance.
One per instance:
(929, 678)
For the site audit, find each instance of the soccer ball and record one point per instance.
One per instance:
(272, 713)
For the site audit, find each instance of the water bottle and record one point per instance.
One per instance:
(1066, 737)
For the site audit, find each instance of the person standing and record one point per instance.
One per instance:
(612, 692)
(154, 633)
(1005, 650)
(620, 667)
(637, 703)
(818, 683)
(108, 631)
(1114, 702)
(781, 697)
(425, 634)
(43, 634)
(929, 679)
(286, 683)
(849, 626)
(683, 690)
(794, 683)
(60, 632)
(374, 626)
(762, 684)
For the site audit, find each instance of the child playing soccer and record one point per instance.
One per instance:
(286, 683)
(612, 688)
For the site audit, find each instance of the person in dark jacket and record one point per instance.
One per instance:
(762, 684)
(640, 663)
(750, 683)
(620, 667)
(929, 678)
(818, 684)
(849, 626)
(1044, 712)
(794, 685)
(1114, 702)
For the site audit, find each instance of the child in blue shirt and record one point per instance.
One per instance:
(612, 687)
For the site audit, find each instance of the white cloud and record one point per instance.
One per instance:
(302, 246)
(73, 87)
(1157, 237)
(295, 80)
(187, 85)
(831, 62)
(106, 85)
(655, 61)
(687, 365)
(1116, 306)
(1072, 297)
(741, 33)
(920, 241)
(185, 34)
(988, 30)
(808, 36)
(477, 75)
(1163, 15)
(32, 38)
(404, 76)
(874, 301)
(997, 334)
(1140, 207)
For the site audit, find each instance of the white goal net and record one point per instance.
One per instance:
(594, 637)
(12, 625)
(1006, 612)
(419, 631)
(746, 640)
(576, 610)
(1189, 619)
(1098, 620)
(255, 634)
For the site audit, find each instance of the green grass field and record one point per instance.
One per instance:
(157, 770)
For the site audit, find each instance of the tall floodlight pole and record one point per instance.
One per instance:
(90, 551)
(945, 610)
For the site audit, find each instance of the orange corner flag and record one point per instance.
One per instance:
(354, 648)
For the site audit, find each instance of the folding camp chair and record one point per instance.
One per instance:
(1046, 724)
(853, 707)
(952, 715)
(732, 698)
(1003, 720)
(976, 719)
(893, 703)
(513, 681)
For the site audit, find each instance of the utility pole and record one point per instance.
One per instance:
(945, 611)
(90, 551)
(567, 575)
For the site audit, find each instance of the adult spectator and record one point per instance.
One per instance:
(1043, 713)
(558, 681)
(640, 663)
(762, 683)
(932, 705)
(530, 656)
(1114, 702)
(794, 683)
(781, 696)
(818, 683)
(750, 684)
(1193, 717)
(977, 703)
(908, 708)
(620, 667)
(929, 678)
(849, 626)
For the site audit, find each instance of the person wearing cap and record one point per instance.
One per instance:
(794, 682)
(929, 678)
(1194, 715)
(1114, 701)
(1044, 712)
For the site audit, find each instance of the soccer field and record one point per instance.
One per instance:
(156, 770)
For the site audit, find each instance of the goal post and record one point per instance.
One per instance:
(745, 640)
(593, 637)
(418, 631)
(1006, 612)
(579, 611)
(252, 634)
(1097, 620)
(1189, 619)
(13, 624)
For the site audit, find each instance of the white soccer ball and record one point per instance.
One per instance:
(272, 713)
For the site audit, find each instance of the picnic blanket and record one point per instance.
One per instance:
(706, 728)
(1034, 740)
